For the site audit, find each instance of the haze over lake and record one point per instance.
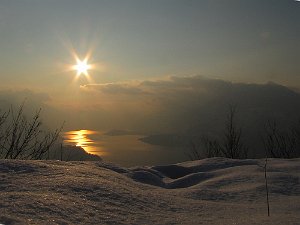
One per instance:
(123, 149)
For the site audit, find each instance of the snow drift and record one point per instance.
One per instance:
(210, 191)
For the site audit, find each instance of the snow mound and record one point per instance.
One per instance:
(146, 177)
(209, 191)
(185, 174)
(10, 166)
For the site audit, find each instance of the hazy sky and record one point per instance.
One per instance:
(237, 40)
(243, 40)
(162, 66)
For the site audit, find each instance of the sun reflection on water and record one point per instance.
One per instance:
(82, 138)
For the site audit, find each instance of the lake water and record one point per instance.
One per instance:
(125, 150)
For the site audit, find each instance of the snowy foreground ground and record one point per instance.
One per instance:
(210, 191)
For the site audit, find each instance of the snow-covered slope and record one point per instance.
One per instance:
(210, 191)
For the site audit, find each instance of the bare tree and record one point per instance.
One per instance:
(207, 148)
(230, 146)
(22, 138)
(279, 143)
(296, 133)
(194, 153)
(211, 147)
(3, 118)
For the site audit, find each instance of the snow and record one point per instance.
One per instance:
(209, 191)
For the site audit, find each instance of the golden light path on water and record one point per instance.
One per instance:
(126, 150)
(81, 138)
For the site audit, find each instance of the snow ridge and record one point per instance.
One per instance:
(209, 191)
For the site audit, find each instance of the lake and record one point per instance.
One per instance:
(125, 150)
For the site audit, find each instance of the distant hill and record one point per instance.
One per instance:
(201, 106)
(72, 153)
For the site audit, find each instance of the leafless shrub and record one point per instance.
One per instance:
(230, 146)
(23, 138)
(207, 148)
(3, 118)
(279, 143)
(212, 148)
(194, 153)
(296, 133)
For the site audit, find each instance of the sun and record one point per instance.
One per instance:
(82, 67)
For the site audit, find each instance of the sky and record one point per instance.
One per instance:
(251, 41)
(161, 67)
(136, 42)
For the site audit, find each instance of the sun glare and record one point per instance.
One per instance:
(82, 67)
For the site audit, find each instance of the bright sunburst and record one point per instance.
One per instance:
(82, 67)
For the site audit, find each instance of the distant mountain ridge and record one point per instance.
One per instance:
(256, 104)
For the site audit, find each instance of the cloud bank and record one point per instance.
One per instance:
(187, 103)
(187, 106)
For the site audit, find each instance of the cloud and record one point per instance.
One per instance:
(189, 104)
(163, 88)
(114, 88)
(193, 106)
